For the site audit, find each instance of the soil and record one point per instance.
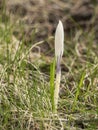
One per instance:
(42, 16)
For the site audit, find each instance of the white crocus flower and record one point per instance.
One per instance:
(59, 40)
(59, 48)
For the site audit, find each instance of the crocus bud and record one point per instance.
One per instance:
(59, 40)
(59, 46)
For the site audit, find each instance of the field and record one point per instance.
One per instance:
(26, 56)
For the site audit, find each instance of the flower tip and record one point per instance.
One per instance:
(60, 22)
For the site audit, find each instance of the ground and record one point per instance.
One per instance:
(27, 29)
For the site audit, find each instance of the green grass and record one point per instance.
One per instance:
(52, 84)
(26, 92)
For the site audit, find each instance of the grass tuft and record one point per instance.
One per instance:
(26, 93)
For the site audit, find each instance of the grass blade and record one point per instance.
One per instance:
(52, 78)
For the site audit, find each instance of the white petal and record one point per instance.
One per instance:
(59, 40)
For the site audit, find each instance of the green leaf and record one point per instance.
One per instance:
(78, 89)
(52, 78)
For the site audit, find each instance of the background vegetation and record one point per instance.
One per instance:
(26, 54)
